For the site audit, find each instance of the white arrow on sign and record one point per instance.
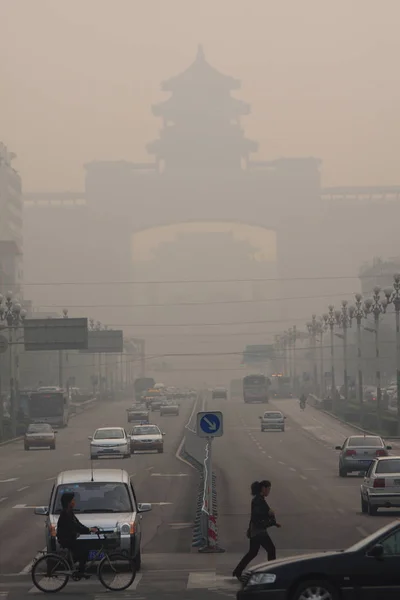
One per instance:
(212, 426)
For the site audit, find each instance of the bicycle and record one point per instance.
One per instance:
(54, 567)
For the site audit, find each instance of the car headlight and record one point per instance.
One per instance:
(262, 578)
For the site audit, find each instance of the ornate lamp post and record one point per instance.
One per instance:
(330, 320)
(377, 306)
(313, 330)
(343, 320)
(393, 297)
(61, 357)
(13, 315)
(358, 314)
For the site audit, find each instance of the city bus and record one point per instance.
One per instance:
(51, 407)
(255, 388)
(141, 385)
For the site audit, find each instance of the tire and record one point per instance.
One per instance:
(40, 568)
(364, 506)
(53, 447)
(113, 563)
(283, 430)
(26, 448)
(342, 472)
(92, 457)
(315, 588)
(160, 450)
(372, 510)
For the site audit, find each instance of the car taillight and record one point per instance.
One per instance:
(381, 453)
(379, 483)
(350, 453)
(52, 530)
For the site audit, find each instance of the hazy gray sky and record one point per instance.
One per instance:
(78, 78)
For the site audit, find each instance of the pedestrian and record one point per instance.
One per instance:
(262, 517)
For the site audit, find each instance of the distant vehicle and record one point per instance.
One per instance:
(359, 451)
(236, 389)
(49, 405)
(138, 414)
(280, 386)
(141, 385)
(40, 435)
(104, 498)
(255, 388)
(159, 386)
(169, 408)
(273, 420)
(147, 437)
(219, 393)
(109, 441)
(381, 486)
(156, 402)
(369, 570)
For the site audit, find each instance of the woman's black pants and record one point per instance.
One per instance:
(255, 544)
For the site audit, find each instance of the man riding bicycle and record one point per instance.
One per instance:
(69, 528)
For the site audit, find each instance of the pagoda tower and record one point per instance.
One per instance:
(201, 122)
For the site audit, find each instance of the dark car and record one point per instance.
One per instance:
(367, 570)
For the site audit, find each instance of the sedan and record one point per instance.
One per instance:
(138, 414)
(381, 486)
(359, 451)
(40, 435)
(147, 437)
(109, 441)
(169, 408)
(273, 420)
(369, 569)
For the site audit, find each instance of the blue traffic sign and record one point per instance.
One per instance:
(209, 424)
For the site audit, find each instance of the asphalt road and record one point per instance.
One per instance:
(317, 509)
(26, 479)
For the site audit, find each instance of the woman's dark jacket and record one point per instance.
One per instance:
(260, 518)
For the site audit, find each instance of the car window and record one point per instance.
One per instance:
(109, 434)
(388, 466)
(365, 442)
(151, 429)
(273, 415)
(39, 428)
(96, 497)
(369, 472)
(391, 545)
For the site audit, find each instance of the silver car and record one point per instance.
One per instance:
(104, 498)
(359, 451)
(169, 408)
(381, 485)
(273, 420)
(110, 441)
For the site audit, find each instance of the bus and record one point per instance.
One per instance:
(142, 384)
(280, 386)
(255, 388)
(51, 407)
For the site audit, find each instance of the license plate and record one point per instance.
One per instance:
(93, 555)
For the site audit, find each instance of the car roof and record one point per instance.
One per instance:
(381, 458)
(107, 428)
(362, 437)
(99, 475)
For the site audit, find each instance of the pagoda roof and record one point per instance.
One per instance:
(176, 106)
(200, 73)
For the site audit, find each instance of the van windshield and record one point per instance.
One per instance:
(95, 497)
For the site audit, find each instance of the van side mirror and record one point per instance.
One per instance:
(389, 447)
(144, 507)
(376, 551)
(90, 438)
(43, 511)
(338, 447)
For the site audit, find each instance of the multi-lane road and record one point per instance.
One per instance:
(317, 509)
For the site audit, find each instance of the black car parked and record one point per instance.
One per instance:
(369, 570)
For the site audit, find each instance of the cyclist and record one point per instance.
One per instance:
(69, 528)
(303, 400)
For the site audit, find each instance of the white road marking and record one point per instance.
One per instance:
(160, 503)
(201, 580)
(314, 487)
(149, 468)
(20, 506)
(3, 499)
(362, 531)
(263, 451)
(169, 475)
(50, 478)
(23, 488)
(340, 510)
(292, 469)
(29, 565)
(303, 477)
(269, 456)
(9, 480)
(78, 454)
(280, 462)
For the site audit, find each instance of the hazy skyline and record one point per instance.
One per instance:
(79, 77)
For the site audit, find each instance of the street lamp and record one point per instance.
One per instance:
(330, 320)
(61, 355)
(393, 297)
(376, 306)
(13, 315)
(313, 327)
(343, 320)
(358, 314)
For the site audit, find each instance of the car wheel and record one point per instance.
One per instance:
(364, 506)
(342, 472)
(160, 450)
(372, 510)
(132, 452)
(317, 589)
(53, 447)
(26, 447)
(92, 457)
(283, 429)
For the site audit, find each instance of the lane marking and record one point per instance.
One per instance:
(269, 456)
(20, 506)
(314, 487)
(149, 468)
(340, 510)
(23, 488)
(9, 480)
(3, 499)
(280, 462)
(292, 469)
(362, 531)
(28, 567)
(51, 478)
(170, 475)
(303, 477)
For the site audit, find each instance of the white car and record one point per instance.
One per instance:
(381, 486)
(110, 441)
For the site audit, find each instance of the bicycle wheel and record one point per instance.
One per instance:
(116, 572)
(50, 573)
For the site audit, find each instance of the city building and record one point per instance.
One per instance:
(11, 224)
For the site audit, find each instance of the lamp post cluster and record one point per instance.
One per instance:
(12, 316)
(342, 319)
